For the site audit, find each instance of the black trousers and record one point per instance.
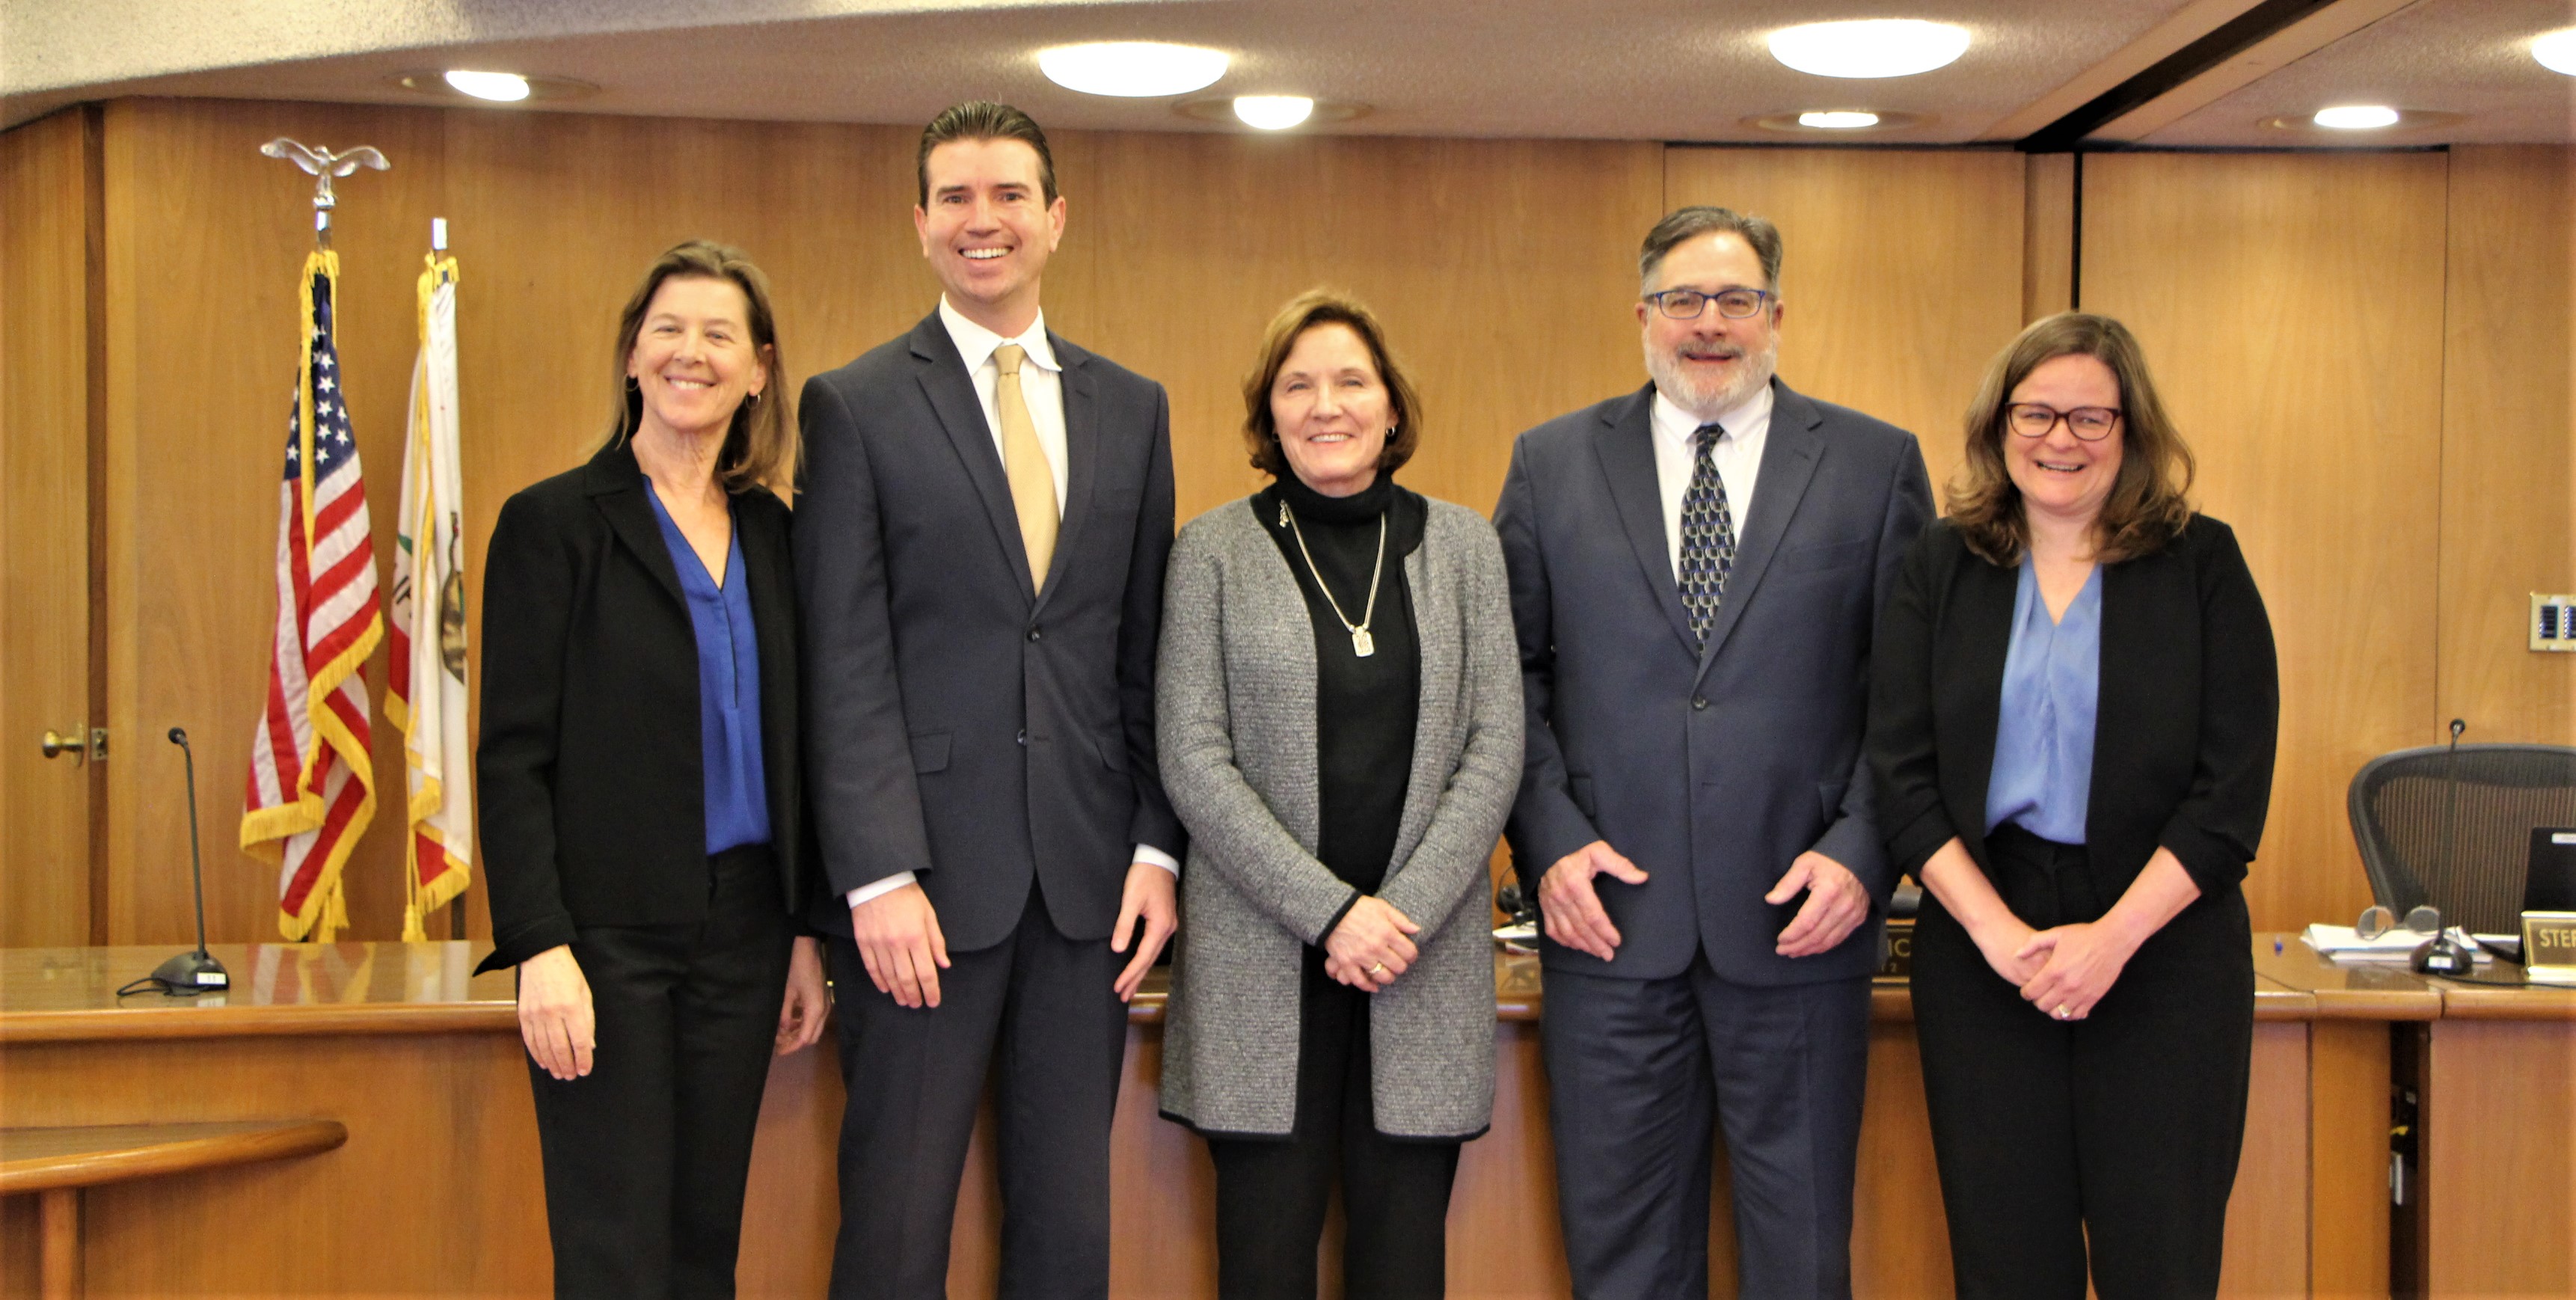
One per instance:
(1039, 1012)
(646, 1156)
(1635, 1069)
(1271, 1193)
(2121, 1129)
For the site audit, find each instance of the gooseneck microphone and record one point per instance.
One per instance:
(189, 973)
(2446, 955)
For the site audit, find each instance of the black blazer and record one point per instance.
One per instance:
(2188, 712)
(962, 726)
(590, 774)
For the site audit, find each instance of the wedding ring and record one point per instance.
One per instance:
(1380, 969)
(2061, 1013)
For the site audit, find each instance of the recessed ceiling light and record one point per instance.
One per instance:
(1132, 69)
(2557, 51)
(493, 87)
(2356, 117)
(1869, 47)
(500, 87)
(1839, 121)
(1273, 112)
(2350, 121)
(1222, 110)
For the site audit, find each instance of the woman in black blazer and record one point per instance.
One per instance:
(639, 785)
(2072, 724)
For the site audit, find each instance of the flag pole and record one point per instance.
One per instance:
(455, 906)
(309, 805)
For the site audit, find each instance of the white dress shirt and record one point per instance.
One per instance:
(1041, 382)
(1738, 455)
(1042, 386)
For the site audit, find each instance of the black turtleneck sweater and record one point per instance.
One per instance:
(1365, 709)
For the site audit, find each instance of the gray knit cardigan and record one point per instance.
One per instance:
(1235, 716)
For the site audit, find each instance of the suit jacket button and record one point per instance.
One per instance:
(1699, 701)
(1024, 735)
(1033, 634)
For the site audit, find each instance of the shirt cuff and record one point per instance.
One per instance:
(879, 888)
(1148, 853)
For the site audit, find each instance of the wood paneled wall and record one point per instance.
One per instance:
(44, 529)
(2368, 353)
(2284, 300)
(2508, 441)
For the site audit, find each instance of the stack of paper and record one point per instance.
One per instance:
(2344, 941)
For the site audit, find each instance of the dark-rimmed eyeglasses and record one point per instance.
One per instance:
(2033, 420)
(1689, 304)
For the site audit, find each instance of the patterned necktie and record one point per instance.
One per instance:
(1024, 463)
(1708, 536)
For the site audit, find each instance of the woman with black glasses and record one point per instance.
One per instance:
(2072, 721)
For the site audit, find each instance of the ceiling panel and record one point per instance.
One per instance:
(2471, 57)
(1609, 69)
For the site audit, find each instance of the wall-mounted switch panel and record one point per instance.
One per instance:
(2553, 622)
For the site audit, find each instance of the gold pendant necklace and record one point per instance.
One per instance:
(1362, 644)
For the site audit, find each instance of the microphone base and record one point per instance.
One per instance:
(191, 973)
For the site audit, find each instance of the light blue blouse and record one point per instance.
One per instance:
(2043, 770)
(737, 787)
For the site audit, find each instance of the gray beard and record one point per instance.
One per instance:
(1707, 400)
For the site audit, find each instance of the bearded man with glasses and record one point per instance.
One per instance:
(1696, 570)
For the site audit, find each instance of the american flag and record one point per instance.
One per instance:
(312, 790)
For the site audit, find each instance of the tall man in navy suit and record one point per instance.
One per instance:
(1696, 571)
(979, 547)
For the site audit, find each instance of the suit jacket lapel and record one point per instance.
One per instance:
(1626, 447)
(1789, 454)
(617, 485)
(1081, 453)
(951, 394)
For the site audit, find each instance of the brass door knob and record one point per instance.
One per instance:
(58, 744)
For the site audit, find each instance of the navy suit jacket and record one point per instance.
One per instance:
(958, 725)
(1711, 770)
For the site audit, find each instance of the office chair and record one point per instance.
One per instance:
(2400, 801)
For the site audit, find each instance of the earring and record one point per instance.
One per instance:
(630, 383)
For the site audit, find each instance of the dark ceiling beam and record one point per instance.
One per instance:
(2224, 42)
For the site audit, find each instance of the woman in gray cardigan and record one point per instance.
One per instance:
(1339, 712)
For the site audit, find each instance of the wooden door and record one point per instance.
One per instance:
(47, 200)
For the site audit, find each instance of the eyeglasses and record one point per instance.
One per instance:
(2032, 420)
(1688, 304)
(2375, 921)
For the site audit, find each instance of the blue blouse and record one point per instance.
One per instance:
(737, 788)
(2043, 771)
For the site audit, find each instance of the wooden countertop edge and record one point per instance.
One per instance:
(1890, 1001)
(88, 1169)
(139, 1023)
(2534, 1005)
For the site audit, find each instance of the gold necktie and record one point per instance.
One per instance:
(1024, 462)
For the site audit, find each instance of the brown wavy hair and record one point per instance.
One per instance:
(1304, 312)
(760, 448)
(2149, 501)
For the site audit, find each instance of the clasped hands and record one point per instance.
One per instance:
(1836, 903)
(2064, 970)
(900, 942)
(1371, 946)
